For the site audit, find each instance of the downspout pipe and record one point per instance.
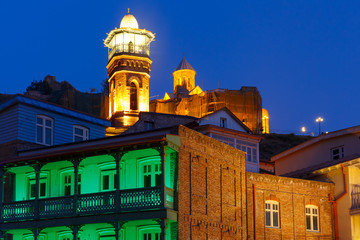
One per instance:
(334, 202)
(254, 210)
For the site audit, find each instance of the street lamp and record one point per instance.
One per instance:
(319, 120)
(303, 130)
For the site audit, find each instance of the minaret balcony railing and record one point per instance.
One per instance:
(88, 204)
(129, 48)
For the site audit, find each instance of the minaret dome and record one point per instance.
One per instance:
(129, 21)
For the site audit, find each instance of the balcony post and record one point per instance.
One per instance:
(36, 232)
(117, 157)
(162, 223)
(117, 227)
(76, 163)
(75, 230)
(162, 185)
(37, 169)
(2, 172)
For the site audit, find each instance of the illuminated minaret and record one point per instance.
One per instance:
(128, 69)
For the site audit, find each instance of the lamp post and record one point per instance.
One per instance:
(319, 120)
(303, 130)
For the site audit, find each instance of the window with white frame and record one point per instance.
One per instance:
(249, 148)
(108, 180)
(150, 172)
(149, 232)
(109, 234)
(272, 213)
(80, 133)
(223, 139)
(337, 153)
(67, 180)
(43, 186)
(44, 130)
(312, 218)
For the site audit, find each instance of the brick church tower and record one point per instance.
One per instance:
(128, 69)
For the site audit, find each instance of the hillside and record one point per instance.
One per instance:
(273, 144)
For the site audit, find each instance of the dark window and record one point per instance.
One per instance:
(223, 122)
(148, 125)
(106, 182)
(32, 190)
(133, 97)
(79, 184)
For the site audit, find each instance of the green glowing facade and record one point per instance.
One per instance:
(109, 189)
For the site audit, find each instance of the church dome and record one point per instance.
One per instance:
(129, 21)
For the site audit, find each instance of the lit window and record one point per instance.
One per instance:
(337, 153)
(272, 214)
(43, 191)
(149, 232)
(223, 122)
(312, 218)
(68, 184)
(249, 148)
(150, 173)
(151, 236)
(44, 130)
(108, 180)
(80, 133)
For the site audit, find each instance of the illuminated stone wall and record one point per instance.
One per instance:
(245, 103)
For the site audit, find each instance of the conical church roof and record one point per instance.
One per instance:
(184, 65)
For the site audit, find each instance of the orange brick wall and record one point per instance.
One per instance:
(212, 202)
(293, 195)
(216, 196)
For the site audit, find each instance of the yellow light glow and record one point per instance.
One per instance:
(265, 121)
(319, 119)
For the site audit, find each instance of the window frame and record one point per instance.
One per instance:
(272, 211)
(149, 229)
(311, 215)
(223, 122)
(31, 180)
(43, 130)
(338, 155)
(69, 171)
(85, 136)
(112, 179)
(152, 162)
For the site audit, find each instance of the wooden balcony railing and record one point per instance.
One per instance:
(85, 204)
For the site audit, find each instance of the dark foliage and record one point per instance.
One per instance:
(105, 86)
(273, 144)
(41, 86)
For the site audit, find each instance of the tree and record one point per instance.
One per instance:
(41, 86)
(105, 86)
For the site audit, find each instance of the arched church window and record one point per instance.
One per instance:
(133, 97)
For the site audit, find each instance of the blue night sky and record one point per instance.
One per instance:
(303, 56)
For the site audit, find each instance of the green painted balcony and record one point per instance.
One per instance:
(89, 204)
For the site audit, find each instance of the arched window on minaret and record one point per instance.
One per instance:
(133, 96)
(131, 47)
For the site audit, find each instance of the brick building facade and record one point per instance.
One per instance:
(218, 199)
